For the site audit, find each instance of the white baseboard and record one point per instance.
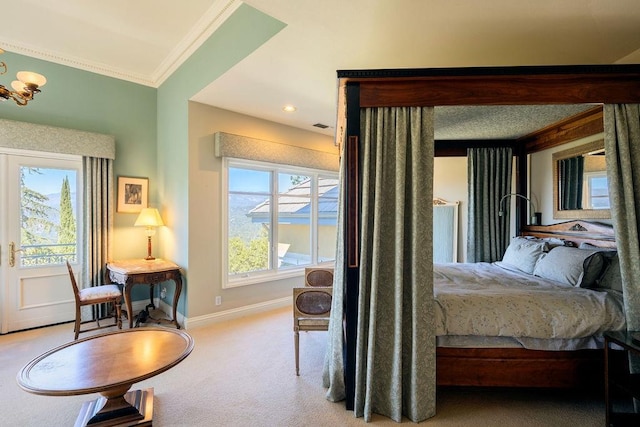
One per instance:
(209, 319)
(234, 313)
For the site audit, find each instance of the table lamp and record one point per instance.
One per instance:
(149, 218)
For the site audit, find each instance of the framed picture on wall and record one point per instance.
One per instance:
(133, 194)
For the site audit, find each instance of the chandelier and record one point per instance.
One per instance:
(24, 88)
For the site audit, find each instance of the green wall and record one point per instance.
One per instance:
(91, 102)
(243, 32)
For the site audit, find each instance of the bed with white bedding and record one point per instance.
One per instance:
(533, 320)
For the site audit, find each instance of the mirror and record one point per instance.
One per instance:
(580, 183)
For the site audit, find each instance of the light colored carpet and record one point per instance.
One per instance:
(241, 373)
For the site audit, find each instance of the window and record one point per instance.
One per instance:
(48, 234)
(279, 219)
(596, 190)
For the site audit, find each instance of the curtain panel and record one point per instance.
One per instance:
(98, 221)
(395, 346)
(571, 171)
(489, 172)
(333, 372)
(622, 145)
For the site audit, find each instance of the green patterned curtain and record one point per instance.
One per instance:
(622, 145)
(98, 220)
(489, 175)
(333, 373)
(572, 173)
(395, 348)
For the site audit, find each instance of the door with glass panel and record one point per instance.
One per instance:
(41, 198)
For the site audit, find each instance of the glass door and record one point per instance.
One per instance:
(41, 225)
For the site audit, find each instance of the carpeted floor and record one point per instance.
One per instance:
(241, 373)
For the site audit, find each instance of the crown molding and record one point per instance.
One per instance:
(201, 31)
(74, 62)
(210, 21)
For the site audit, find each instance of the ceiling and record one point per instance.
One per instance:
(144, 41)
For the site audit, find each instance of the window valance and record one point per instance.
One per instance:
(51, 139)
(242, 147)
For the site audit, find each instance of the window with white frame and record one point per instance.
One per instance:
(596, 190)
(279, 219)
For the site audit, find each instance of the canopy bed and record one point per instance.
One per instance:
(551, 334)
(383, 369)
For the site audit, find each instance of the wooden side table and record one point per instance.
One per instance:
(131, 272)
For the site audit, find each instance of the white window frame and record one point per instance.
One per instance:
(273, 273)
(588, 177)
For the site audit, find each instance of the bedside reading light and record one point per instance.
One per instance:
(149, 218)
(536, 217)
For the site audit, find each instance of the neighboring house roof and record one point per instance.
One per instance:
(294, 206)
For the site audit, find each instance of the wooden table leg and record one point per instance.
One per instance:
(127, 302)
(176, 295)
(151, 287)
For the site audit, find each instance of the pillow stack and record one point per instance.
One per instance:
(586, 266)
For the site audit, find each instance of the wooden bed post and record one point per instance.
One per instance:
(352, 239)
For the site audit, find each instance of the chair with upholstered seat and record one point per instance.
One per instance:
(95, 295)
(318, 276)
(311, 309)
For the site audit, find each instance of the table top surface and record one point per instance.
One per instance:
(105, 361)
(140, 265)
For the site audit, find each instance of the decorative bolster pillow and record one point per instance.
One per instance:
(610, 277)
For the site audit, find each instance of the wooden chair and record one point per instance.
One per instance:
(318, 276)
(311, 309)
(95, 295)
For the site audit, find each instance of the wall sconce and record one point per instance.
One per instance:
(536, 217)
(24, 88)
(149, 218)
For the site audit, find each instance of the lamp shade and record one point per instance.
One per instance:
(149, 217)
(29, 77)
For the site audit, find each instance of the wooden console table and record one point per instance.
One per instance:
(108, 364)
(130, 272)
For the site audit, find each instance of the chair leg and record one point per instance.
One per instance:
(76, 328)
(118, 315)
(296, 339)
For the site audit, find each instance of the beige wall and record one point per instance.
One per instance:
(205, 225)
(450, 183)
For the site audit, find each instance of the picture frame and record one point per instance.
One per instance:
(133, 194)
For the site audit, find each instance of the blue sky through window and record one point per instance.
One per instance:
(49, 181)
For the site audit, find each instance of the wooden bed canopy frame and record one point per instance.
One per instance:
(599, 84)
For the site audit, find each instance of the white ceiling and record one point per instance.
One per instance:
(145, 40)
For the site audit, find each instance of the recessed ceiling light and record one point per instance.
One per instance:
(289, 108)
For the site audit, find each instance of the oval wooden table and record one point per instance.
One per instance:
(108, 364)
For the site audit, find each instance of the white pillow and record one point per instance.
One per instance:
(571, 266)
(523, 254)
